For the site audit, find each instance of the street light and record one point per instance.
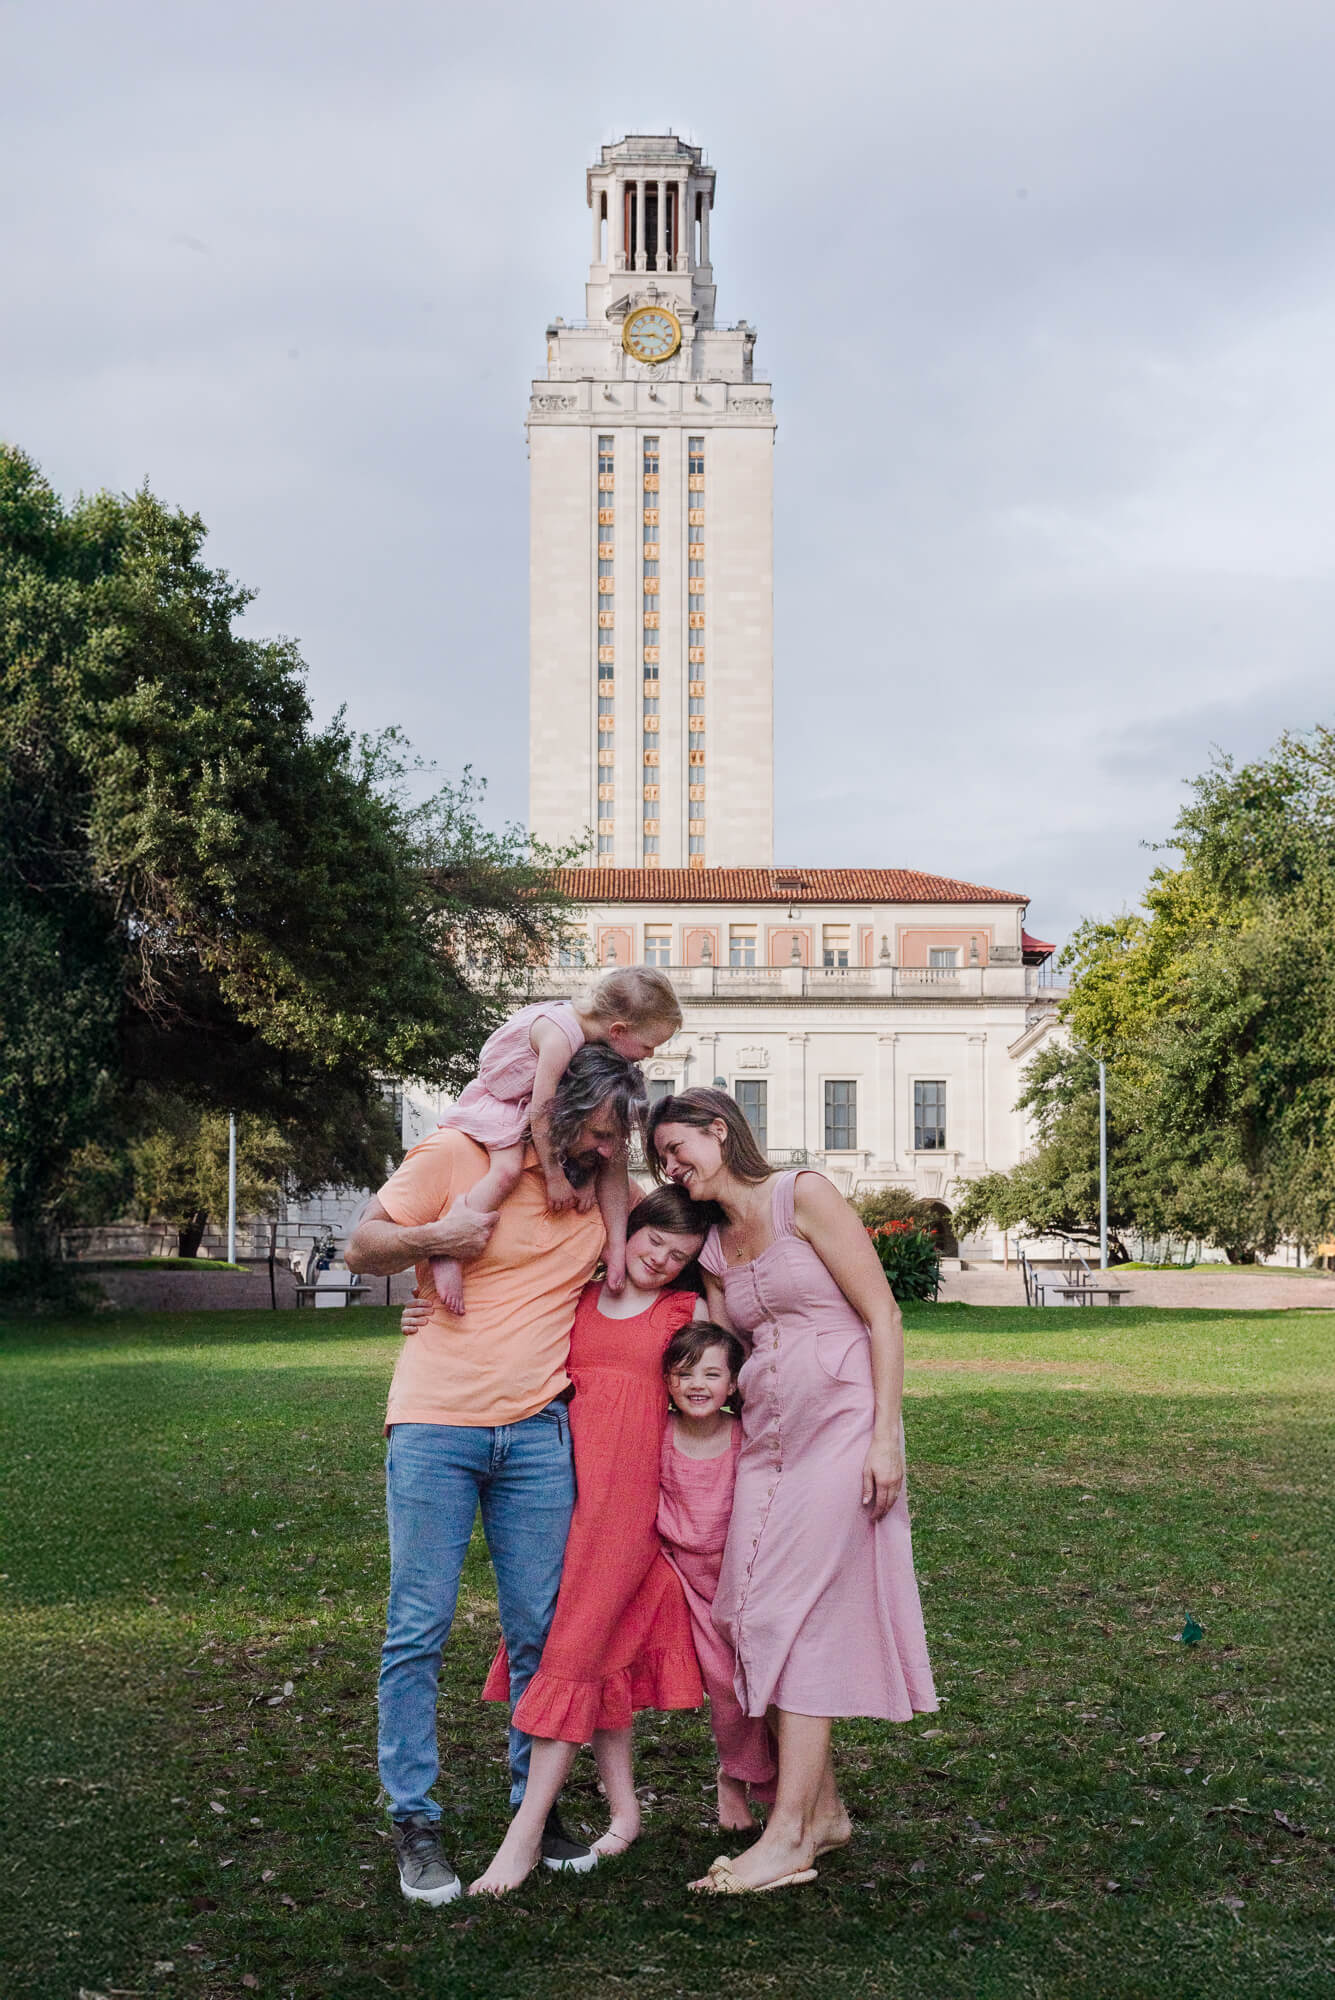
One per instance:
(1103, 1165)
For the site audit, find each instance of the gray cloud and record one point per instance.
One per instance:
(1045, 291)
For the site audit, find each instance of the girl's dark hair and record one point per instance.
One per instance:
(702, 1108)
(671, 1209)
(696, 1338)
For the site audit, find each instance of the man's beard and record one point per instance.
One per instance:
(580, 1168)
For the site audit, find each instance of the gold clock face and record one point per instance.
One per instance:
(651, 334)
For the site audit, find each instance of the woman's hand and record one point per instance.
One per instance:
(415, 1315)
(882, 1477)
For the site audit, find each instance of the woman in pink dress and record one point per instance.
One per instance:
(817, 1594)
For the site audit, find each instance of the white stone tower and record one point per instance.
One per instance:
(651, 447)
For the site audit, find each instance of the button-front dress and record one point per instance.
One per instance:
(621, 1636)
(818, 1602)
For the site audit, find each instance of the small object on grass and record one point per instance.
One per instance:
(1191, 1633)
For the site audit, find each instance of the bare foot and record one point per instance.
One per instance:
(623, 1832)
(836, 1831)
(773, 1856)
(511, 1864)
(448, 1279)
(734, 1813)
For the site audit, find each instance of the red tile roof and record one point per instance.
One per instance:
(773, 885)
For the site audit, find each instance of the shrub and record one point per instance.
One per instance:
(910, 1259)
(34, 1288)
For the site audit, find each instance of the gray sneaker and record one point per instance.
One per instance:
(561, 1853)
(425, 1876)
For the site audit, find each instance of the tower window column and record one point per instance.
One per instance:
(605, 497)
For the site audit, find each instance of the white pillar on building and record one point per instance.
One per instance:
(887, 1107)
(639, 187)
(599, 196)
(975, 1128)
(704, 226)
(616, 224)
(682, 244)
(797, 1090)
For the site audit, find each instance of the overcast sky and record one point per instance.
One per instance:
(1047, 294)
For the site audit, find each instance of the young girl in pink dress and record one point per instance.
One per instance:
(695, 1486)
(508, 1102)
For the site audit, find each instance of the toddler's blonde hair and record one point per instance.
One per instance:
(637, 995)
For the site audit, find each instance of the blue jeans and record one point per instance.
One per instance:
(436, 1477)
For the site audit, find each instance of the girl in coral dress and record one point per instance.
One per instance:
(510, 1099)
(621, 1637)
(696, 1481)
(817, 1595)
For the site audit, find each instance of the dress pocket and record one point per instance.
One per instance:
(843, 1355)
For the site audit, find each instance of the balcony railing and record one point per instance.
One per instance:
(825, 982)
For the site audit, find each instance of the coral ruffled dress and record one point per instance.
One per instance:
(621, 1637)
(818, 1601)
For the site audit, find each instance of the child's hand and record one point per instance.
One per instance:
(416, 1314)
(560, 1194)
(616, 1275)
(586, 1196)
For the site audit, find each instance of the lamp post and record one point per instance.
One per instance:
(231, 1189)
(1103, 1165)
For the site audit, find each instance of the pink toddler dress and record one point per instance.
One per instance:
(818, 1601)
(493, 1108)
(694, 1507)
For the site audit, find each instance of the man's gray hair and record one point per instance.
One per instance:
(596, 1078)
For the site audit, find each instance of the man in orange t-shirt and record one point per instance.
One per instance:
(478, 1417)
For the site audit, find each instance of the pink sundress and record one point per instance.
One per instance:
(493, 1108)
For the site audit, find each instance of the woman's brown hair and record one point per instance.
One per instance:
(702, 1108)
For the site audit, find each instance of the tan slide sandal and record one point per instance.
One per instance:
(719, 1880)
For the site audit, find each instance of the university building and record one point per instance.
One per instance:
(874, 1021)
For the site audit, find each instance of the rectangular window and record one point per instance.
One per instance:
(573, 952)
(752, 1094)
(605, 566)
(835, 943)
(651, 697)
(606, 843)
(605, 704)
(696, 704)
(697, 566)
(929, 1117)
(939, 955)
(841, 1116)
(658, 944)
(660, 1086)
(651, 843)
(695, 843)
(742, 944)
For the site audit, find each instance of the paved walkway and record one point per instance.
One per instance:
(1237, 1289)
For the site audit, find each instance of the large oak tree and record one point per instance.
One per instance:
(200, 890)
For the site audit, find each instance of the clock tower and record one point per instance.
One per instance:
(651, 444)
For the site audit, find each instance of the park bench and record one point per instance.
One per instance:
(1073, 1285)
(310, 1285)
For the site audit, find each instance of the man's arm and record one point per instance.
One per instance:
(379, 1247)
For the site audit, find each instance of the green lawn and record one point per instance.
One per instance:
(196, 1573)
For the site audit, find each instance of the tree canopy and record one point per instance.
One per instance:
(201, 890)
(1214, 1007)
